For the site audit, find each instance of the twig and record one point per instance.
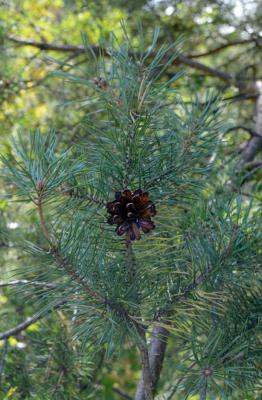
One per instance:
(29, 321)
(244, 128)
(83, 197)
(55, 47)
(26, 282)
(178, 383)
(122, 394)
(253, 164)
(222, 47)
(224, 76)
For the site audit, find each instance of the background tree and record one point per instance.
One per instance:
(26, 102)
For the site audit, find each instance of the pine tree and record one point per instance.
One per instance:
(140, 238)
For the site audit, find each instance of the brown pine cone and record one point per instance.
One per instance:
(131, 211)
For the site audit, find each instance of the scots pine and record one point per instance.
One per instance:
(141, 238)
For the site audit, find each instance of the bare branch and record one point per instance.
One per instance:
(226, 77)
(26, 282)
(102, 51)
(122, 394)
(29, 321)
(220, 48)
(244, 128)
(253, 164)
(55, 47)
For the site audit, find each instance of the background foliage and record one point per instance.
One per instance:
(221, 46)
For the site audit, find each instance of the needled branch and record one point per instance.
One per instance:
(69, 269)
(86, 196)
(160, 334)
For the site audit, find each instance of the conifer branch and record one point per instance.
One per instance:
(160, 334)
(86, 196)
(68, 268)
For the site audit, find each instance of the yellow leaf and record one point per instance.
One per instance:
(12, 341)
(34, 327)
(3, 299)
(11, 392)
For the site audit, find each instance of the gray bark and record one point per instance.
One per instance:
(156, 355)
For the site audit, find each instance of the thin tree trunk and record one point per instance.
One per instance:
(146, 373)
(203, 390)
(255, 143)
(156, 355)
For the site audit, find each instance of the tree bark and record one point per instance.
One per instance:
(156, 355)
(255, 143)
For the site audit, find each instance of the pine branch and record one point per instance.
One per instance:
(178, 383)
(86, 196)
(68, 268)
(160, 334)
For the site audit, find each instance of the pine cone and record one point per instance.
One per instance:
(131, 211)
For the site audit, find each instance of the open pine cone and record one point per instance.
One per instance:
(131, 211)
